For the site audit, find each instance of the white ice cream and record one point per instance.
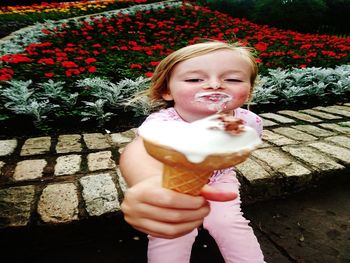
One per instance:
(199, 139)
(214, 100)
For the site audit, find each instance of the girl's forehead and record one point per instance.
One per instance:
(219, 58)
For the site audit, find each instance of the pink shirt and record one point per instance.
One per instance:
(249, 118)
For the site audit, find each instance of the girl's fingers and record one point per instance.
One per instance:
(165, 230)
(171, 215)
(163, 197)
(213, 194)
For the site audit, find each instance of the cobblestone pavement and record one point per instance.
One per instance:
(71, 181)
(71, 177)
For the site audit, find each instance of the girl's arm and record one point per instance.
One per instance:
(136, 164)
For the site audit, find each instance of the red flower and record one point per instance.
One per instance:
(92, 69)
(149, 74)
(5, 77)
(154, 63)
(69, 64)
(135, 66)
(89, 60)
(49, 74)
(6, 74)
(47, 61)
(15, 58)
(70, 72)
(261, 46)
(7, 71)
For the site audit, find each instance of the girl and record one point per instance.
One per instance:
(190, 82)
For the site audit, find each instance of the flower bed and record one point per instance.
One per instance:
(17, 16)
(128, 45)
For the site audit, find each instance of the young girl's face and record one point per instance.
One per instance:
(204, 85)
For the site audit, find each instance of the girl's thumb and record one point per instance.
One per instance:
(214, 194)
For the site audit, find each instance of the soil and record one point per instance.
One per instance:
(23, 126)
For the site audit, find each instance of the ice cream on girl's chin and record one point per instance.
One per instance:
(218, 134)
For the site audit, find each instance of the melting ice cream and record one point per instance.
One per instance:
(215, 135)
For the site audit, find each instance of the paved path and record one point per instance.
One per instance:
(73, 177)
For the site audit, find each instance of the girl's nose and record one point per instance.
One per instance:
(213, 85)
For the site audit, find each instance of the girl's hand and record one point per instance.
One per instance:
(164, 213)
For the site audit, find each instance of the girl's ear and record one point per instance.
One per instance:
(167, 97)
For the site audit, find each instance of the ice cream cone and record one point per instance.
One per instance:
(186, 177)
(184, 180)
(191, 152)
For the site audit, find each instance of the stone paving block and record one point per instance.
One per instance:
(313, 130)
(265, 145)
(33, 146)
(276, 117)
(16, 203)
(341, 107)
(336, 127)
(122, 183)
(268, 123)
(100, 194)
(321, 114)
(58, 203)
(276, 139)
(295, 134)
(313, 157)
(252, 171)
(7, 147)
(119, 139)
(29, 169)
(340, 140)
(100, 161)
(69, 143)
(340, 153)
(300, 115)
(122, 138)
(333, 110)
(68, 164)
(96, 141)
(280, 162)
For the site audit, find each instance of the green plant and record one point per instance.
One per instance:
(288, 87)
(95, 110)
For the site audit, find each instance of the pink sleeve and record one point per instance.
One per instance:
(250, 119)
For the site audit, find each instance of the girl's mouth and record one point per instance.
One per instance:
(214, 100)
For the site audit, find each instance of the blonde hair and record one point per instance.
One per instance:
(162, 73)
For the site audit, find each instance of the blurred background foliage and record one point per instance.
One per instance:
(305, 16)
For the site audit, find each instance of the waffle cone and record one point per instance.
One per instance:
(186, 177)
(184, 180)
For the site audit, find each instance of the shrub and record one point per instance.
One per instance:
(236, 8)
(309, 16)
(300, 15)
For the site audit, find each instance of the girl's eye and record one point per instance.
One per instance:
(233, 80)
(193, 80)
